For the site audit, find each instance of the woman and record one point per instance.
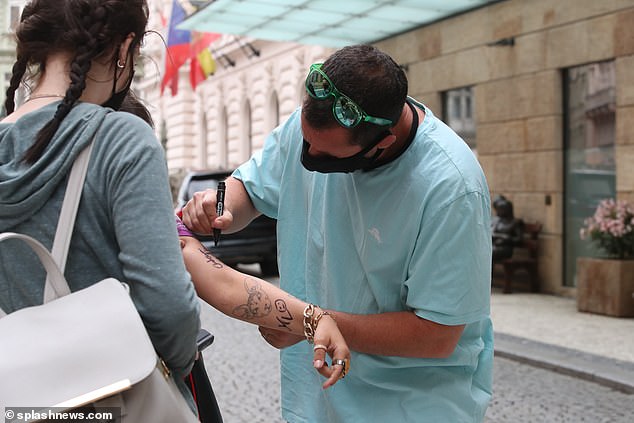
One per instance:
(76, 59)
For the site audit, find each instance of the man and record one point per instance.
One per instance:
(383, 219)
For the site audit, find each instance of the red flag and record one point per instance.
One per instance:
(181, 46)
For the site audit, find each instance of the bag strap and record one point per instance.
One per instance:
(52, 270)
(58, 288)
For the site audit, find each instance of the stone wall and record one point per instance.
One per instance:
(519, 95)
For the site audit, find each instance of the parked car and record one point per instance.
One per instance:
(257, 243)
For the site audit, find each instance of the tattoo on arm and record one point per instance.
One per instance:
(285, 318)
(258, 303)
(211, 259)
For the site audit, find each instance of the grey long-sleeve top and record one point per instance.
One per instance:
(124, 229)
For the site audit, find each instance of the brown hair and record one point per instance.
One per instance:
(86, 29)
(372, 79)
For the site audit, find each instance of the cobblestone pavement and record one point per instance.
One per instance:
(244, 371)
(526, 394)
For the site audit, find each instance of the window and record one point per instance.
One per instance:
(273, 112)
(458, 113)
(163, 134)
(15, 11)
(202, 151)
(247, 134)
(589, 162)
(222, 143)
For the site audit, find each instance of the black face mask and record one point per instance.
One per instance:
(116, 99)
(329, 164)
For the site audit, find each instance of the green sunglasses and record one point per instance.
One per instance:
(347, 112)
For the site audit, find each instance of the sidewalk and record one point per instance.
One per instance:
(549, 332)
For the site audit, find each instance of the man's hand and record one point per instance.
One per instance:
(199, 214)
(328, 341)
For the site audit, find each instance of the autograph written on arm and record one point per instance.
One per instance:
(258, 303)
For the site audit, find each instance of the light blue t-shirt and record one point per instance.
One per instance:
(413, 234)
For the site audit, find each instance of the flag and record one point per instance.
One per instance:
(201, 67)
(202, 62)
(183, 45)
(177, 48)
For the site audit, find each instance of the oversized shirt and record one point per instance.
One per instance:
(411, 235)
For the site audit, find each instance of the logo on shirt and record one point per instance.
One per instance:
(376, 234)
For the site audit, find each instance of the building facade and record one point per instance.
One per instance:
(10, 11)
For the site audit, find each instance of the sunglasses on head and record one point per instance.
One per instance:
(347, 112)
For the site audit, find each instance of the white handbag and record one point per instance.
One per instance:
(88, 347)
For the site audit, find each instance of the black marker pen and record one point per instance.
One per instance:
(220, 207)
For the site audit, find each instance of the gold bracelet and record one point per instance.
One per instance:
(309, 327)
(318, 318)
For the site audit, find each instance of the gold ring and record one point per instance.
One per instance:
(320, 347)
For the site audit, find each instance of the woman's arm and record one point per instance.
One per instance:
(256, 301)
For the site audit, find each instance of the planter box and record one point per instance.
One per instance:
(605, 286)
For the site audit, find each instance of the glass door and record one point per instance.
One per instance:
(589, 125)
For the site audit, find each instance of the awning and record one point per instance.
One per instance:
(329, 23)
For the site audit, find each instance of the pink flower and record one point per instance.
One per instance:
(611, 227)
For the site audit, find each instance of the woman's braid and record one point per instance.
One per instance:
(87, 50)
(19, 69)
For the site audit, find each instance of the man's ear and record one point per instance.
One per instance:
(387, 141)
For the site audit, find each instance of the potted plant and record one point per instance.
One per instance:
(606, 285)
